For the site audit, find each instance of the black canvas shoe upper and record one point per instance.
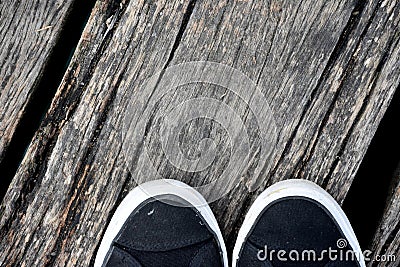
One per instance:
(295, 224)
(159, 234)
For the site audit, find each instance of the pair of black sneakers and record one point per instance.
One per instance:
(168, 223)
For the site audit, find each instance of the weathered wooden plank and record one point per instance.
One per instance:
(327, 68)
(136, 23)
(385, 247)
(29, 31)
(94, 41)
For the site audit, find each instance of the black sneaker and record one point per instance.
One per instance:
(162, 223)
(296, 223)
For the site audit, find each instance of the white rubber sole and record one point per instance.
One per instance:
(301, 188)
(153, 189)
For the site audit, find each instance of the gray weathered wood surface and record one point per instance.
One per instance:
(327, 68)
(28, 33)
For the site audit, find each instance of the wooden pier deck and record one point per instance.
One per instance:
(69, 69)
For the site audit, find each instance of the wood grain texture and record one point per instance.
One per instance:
(386, 242)
(28, 33)
(328, 70)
